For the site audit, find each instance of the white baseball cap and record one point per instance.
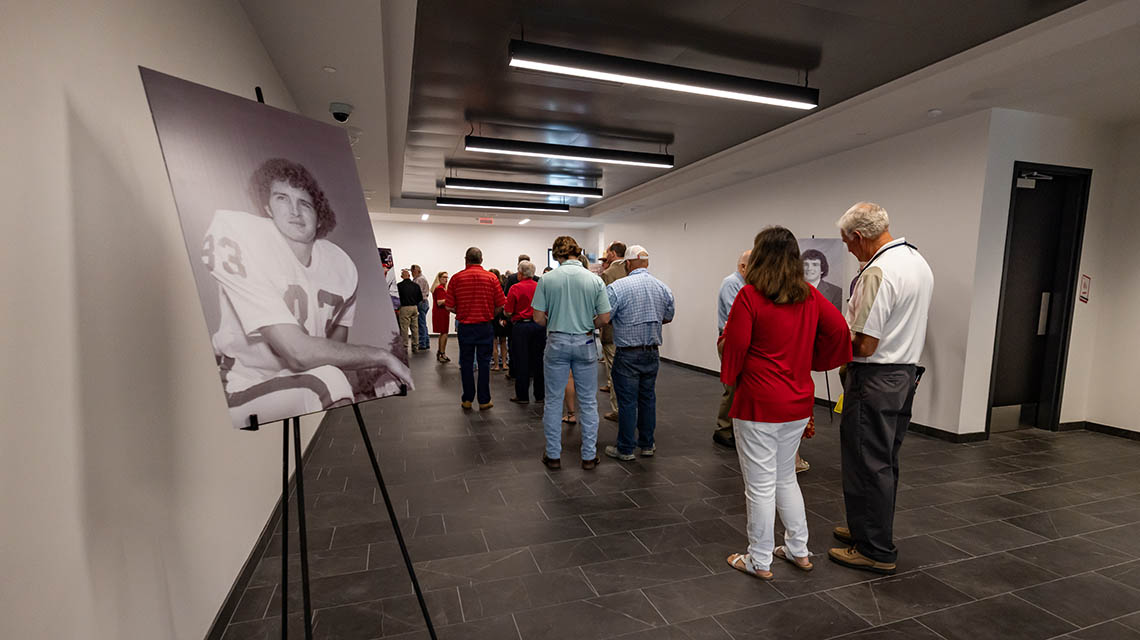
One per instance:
(635, 252)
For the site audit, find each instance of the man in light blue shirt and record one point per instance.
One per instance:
(640, 305)
(570, 302)
(729, 287)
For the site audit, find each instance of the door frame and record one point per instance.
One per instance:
(1054, 382)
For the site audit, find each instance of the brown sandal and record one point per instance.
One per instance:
(736, 561)
(782, 553)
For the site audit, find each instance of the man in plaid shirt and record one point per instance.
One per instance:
(640, 305)
(474, 295)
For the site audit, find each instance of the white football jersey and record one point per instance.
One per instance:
(262, 283)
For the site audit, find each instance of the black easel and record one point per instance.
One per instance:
(302, 531)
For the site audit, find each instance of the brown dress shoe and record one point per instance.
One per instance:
(465, 404)
(851, 558)
(843, 534)
(484, 407)
(589, 464)
(551, 463)
(611, 416)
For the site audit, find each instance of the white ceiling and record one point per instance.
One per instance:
(1083, 63)
(1080, 63)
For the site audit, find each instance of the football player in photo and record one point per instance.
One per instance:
(287, 299)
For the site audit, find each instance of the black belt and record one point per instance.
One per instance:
(522, 321)
(640, 347)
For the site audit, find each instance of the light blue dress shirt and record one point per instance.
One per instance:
(640, 304)
(729, 287)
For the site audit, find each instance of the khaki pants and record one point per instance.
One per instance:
(722, 419)
(608, 351)
(409, 320)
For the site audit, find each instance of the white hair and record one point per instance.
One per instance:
(526, 269)
(868, 218)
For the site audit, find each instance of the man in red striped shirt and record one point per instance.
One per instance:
(474, 295)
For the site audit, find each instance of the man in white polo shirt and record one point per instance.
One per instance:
(887, 315)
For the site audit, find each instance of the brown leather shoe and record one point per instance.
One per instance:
(484, 407)
(611, 416)
(465, 404)
(588, 465)
(843, 534)
(551, 463)
(851, 558)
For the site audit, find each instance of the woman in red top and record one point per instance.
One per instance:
(780, 328)
(440, 317)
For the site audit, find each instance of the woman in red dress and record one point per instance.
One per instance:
(780, 328)
(440, 316)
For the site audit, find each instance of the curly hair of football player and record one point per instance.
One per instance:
(295, 175)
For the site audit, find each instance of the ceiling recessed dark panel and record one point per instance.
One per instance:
(461, 83)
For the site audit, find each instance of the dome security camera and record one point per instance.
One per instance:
(340, 111)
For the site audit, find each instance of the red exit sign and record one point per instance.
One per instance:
(486, 221)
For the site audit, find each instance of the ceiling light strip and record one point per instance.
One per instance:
(509, 205)
(522, 187)
(567, 152)
(584, 64)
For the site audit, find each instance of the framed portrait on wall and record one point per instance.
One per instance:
(282, 251)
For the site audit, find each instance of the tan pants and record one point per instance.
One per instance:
(722, 419)
(409, 320)
(609, 349)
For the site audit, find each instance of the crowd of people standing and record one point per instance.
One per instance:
(775, 326)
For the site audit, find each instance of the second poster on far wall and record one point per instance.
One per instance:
(825, 267)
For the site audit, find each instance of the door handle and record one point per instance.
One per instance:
(1043, 314)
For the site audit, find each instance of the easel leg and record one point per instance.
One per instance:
(301, 529)
(830, 407)
(392, 517)
(284, 529)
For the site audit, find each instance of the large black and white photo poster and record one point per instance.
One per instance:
(825, 267)
(282, 251)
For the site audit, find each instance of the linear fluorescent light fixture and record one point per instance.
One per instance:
(584, 64)
(522, 187)
(524, 221)
(509, 205)
(567, 152)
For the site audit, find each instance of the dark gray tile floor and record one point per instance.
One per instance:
(1030, 535)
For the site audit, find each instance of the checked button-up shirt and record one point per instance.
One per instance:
(640, 305)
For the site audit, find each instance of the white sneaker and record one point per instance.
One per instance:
(613, 452)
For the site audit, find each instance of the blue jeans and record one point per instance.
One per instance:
(635, 379)
(475, 341)
(425, 341)
(567, 352)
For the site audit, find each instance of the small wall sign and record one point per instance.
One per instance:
(1086, 284)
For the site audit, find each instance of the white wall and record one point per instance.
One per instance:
(1110, 382)
(130, 503)
(930, 181)
(1031, 137)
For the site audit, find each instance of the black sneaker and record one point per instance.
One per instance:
(725, 437)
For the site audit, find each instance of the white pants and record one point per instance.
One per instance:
(767, 453)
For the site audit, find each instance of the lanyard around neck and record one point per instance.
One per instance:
(875, 257)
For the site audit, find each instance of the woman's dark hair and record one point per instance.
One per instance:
(775, 267)
(816, 254)
(297, 176)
